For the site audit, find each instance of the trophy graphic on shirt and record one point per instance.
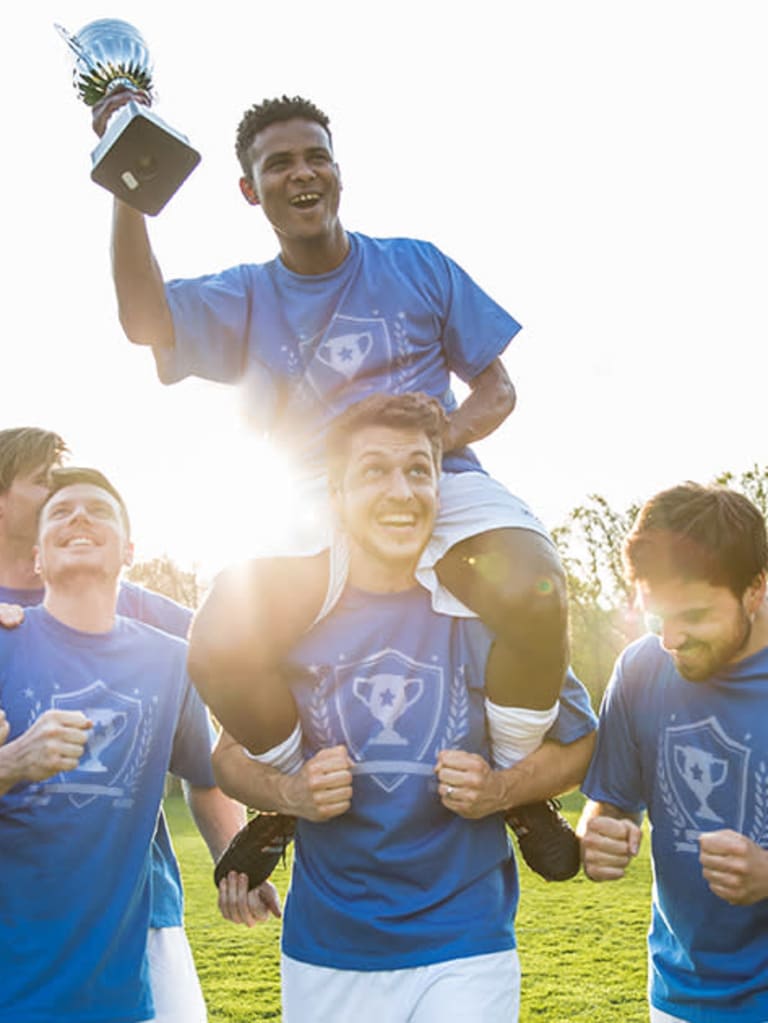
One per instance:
(107, 726)
(140, 159)
(345, 354)
(702, 773)
(388, 697)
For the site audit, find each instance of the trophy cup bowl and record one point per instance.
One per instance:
(140, 159)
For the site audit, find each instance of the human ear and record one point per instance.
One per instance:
(249, 192)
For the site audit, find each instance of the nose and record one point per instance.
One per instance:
(303, 171)
(672, 636)
(399, 485)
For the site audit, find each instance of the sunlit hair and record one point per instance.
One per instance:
(697, 533)
(415, 411)
(270, 111)
(73, 475)
(26, 448)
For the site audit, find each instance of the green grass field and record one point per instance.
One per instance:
(582, 945)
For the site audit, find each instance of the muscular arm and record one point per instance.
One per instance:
(491, 399)
(320, 790)
(218, 818)
(477, 790)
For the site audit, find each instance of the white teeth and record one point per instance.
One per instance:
(398, 520)
(80, 541)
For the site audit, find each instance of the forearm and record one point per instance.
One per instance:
(142, 305)
(252, 783)
(549, 771)
(491, 399)
(218, 818)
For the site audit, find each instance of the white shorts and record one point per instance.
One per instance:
(485, 987)
(176, 988)
(470, 503)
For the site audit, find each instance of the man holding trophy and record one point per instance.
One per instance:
(684, 735)
(304, 334)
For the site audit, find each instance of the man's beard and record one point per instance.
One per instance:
(718, 654)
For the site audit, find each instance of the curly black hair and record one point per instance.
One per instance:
(261, 115)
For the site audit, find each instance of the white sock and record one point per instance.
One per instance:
(286, 756)
(516, 731)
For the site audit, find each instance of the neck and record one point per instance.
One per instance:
(374, 577)
(17, 567)
(311, 256)
(87, 608)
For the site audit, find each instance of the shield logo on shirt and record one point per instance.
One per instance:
(707, 772)
(103, 766)
(389, 707)
(350, 350)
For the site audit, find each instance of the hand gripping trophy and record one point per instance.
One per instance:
(140, 158)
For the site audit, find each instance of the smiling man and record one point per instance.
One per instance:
(404, 889)
(99, 708)
(683, 734)
(27, 456)
(335, 317)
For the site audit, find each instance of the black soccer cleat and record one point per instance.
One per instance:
(257, 848)
(547, 841)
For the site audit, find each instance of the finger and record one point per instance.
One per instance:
(270, 897)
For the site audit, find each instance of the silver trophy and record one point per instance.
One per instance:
(140, 159)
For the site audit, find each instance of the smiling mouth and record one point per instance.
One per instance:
(80, 541)
(306, 200)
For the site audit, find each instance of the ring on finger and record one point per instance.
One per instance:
(449, 790)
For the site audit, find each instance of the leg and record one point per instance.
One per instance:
(249, 621)
(513, 580)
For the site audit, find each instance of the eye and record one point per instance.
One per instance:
(372, 471)
(420, 471)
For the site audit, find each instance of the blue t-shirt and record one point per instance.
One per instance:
(154, 609)
(397, 315)
(399, 881)
(694, 755)
(74, 903)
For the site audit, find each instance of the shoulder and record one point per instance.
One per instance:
(398, 248)
(153, 608)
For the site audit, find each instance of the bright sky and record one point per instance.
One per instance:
(600, 167)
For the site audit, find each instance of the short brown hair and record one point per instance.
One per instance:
(694, 532)
(24, 448)
(71, 475)
(415, 411)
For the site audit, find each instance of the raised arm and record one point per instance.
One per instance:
(141, 303)
(491, 399)
(142, 306)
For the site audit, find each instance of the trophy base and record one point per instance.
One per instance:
(141, 160)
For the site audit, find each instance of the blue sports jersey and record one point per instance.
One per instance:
(154, 609)
(397, 315)
(693, 754)
(399, 881)
(74, 904)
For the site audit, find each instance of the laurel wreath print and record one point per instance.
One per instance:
(457, 725)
